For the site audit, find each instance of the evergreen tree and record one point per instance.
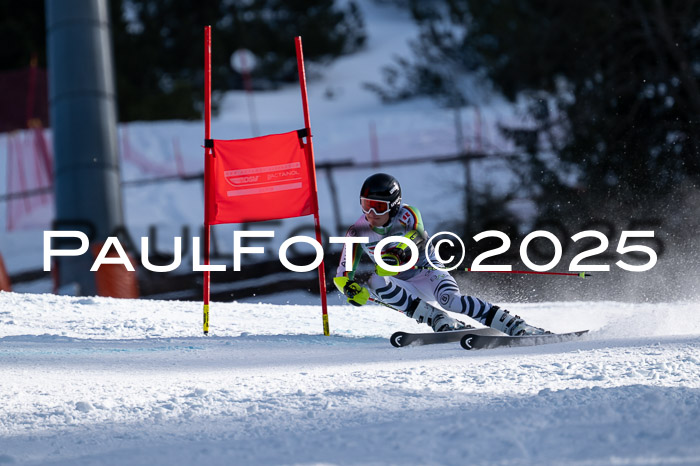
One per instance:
(159, 46)
(22, 33)
(613, 89)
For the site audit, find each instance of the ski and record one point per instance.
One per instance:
(401, 339)
(472, 340)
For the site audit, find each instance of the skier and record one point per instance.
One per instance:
(409, 292)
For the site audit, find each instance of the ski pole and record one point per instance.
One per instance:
(579, 274)
(382, 303)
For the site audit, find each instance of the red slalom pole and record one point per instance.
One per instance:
(312, 176)
(207, 173)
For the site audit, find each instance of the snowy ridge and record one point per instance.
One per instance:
(106, 381)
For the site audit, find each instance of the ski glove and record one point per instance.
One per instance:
(357, 294)
(395, 257)
(399, 254)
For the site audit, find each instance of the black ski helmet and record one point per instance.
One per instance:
(383, 187)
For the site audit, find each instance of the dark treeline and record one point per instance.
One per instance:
(611, 89)
(159, 46)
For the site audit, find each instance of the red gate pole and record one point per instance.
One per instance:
(312, 176)
(207, 172)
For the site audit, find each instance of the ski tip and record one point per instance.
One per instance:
(396, 339)
(466, 342)
(473, 341)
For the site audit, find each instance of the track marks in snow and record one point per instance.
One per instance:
(268, 389)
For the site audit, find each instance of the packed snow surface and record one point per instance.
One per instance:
(106, 381)
(134, 382)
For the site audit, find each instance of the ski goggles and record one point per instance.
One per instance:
(374, 205)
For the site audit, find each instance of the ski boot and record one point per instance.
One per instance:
(500, 319)
(437, 319)
(444, 323)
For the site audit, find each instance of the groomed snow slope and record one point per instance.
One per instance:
(104, 381)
